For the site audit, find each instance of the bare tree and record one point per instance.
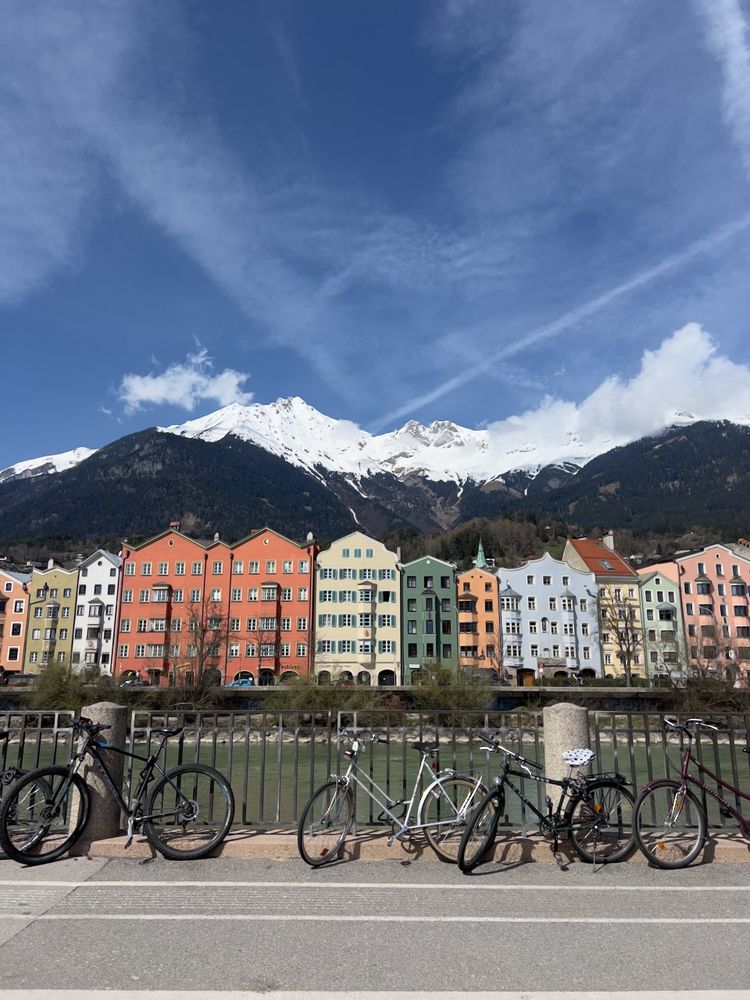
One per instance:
(618, 619)
(208, 633)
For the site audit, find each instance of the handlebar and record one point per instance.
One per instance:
(82, 724)
(673, 723)
(495, 746)
(348, 734)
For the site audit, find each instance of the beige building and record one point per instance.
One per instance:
(52, 610)
(358, 613)
(618, 604)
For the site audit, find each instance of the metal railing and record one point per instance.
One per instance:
(276, 759)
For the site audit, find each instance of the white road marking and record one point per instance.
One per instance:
(375, 918)
(373, 995)
(470, 885)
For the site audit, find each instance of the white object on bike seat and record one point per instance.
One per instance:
(577, 758)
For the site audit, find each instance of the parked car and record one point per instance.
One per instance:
(241, 682)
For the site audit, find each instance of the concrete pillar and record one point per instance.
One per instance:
(104, 819)
(566, 727)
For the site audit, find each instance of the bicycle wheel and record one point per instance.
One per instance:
(445, 812)
(670, 824)
(600, 822)
(189, 812)
(479, 835)
(43, 815)
(325, 823)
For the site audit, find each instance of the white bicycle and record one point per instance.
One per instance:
(441, 812)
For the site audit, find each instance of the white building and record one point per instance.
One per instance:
(548, 621)
(96, 610)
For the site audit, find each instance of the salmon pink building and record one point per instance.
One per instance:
(714, 591)
(240, 611)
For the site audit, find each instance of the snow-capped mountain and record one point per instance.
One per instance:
(45, 465)
(441, 451)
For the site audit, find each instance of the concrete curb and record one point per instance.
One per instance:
(281, 845)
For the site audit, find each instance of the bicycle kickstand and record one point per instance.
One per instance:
(555, 848)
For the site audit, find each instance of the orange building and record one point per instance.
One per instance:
(240, 610)
(14, 615)
(478, 620)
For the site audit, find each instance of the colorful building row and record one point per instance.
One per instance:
(269, 609)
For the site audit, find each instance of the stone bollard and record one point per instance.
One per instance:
(566, 727)
(104, 818)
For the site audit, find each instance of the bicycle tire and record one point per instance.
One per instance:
(600, 822)
(445, 812)
(28, 819)
(189, 812)
(672, 842)
(325, 824)
(479, 835)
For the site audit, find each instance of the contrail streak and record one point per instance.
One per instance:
(702, 246)
(728, 32)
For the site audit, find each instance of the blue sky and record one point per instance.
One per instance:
(452, 209)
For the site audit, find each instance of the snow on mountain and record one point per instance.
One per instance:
(298, 433)
(291, 429)
(45, 465)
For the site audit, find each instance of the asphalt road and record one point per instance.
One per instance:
(90, 926)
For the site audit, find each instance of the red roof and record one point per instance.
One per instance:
(600, 559)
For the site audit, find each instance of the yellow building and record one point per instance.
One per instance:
(52, 610)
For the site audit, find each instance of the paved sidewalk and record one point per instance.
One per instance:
(281, 845)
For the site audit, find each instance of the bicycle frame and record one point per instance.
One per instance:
(401, 824)
(686, 778)
(551, 821)
(91, 748)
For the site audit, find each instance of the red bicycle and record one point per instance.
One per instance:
(670, 821)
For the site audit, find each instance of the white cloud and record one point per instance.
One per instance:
(729, 39)
(683, 380)
(184, 384)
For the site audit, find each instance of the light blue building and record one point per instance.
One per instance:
(548, 621)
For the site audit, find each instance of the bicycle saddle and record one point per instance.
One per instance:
(426, 747)
(173, 731)
(579, 757)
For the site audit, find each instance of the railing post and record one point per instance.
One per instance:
(104, 818)
(566, 727)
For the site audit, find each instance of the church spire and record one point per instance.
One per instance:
(480, 562)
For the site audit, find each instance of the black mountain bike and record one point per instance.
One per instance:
(186, 814)
(594, 811)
